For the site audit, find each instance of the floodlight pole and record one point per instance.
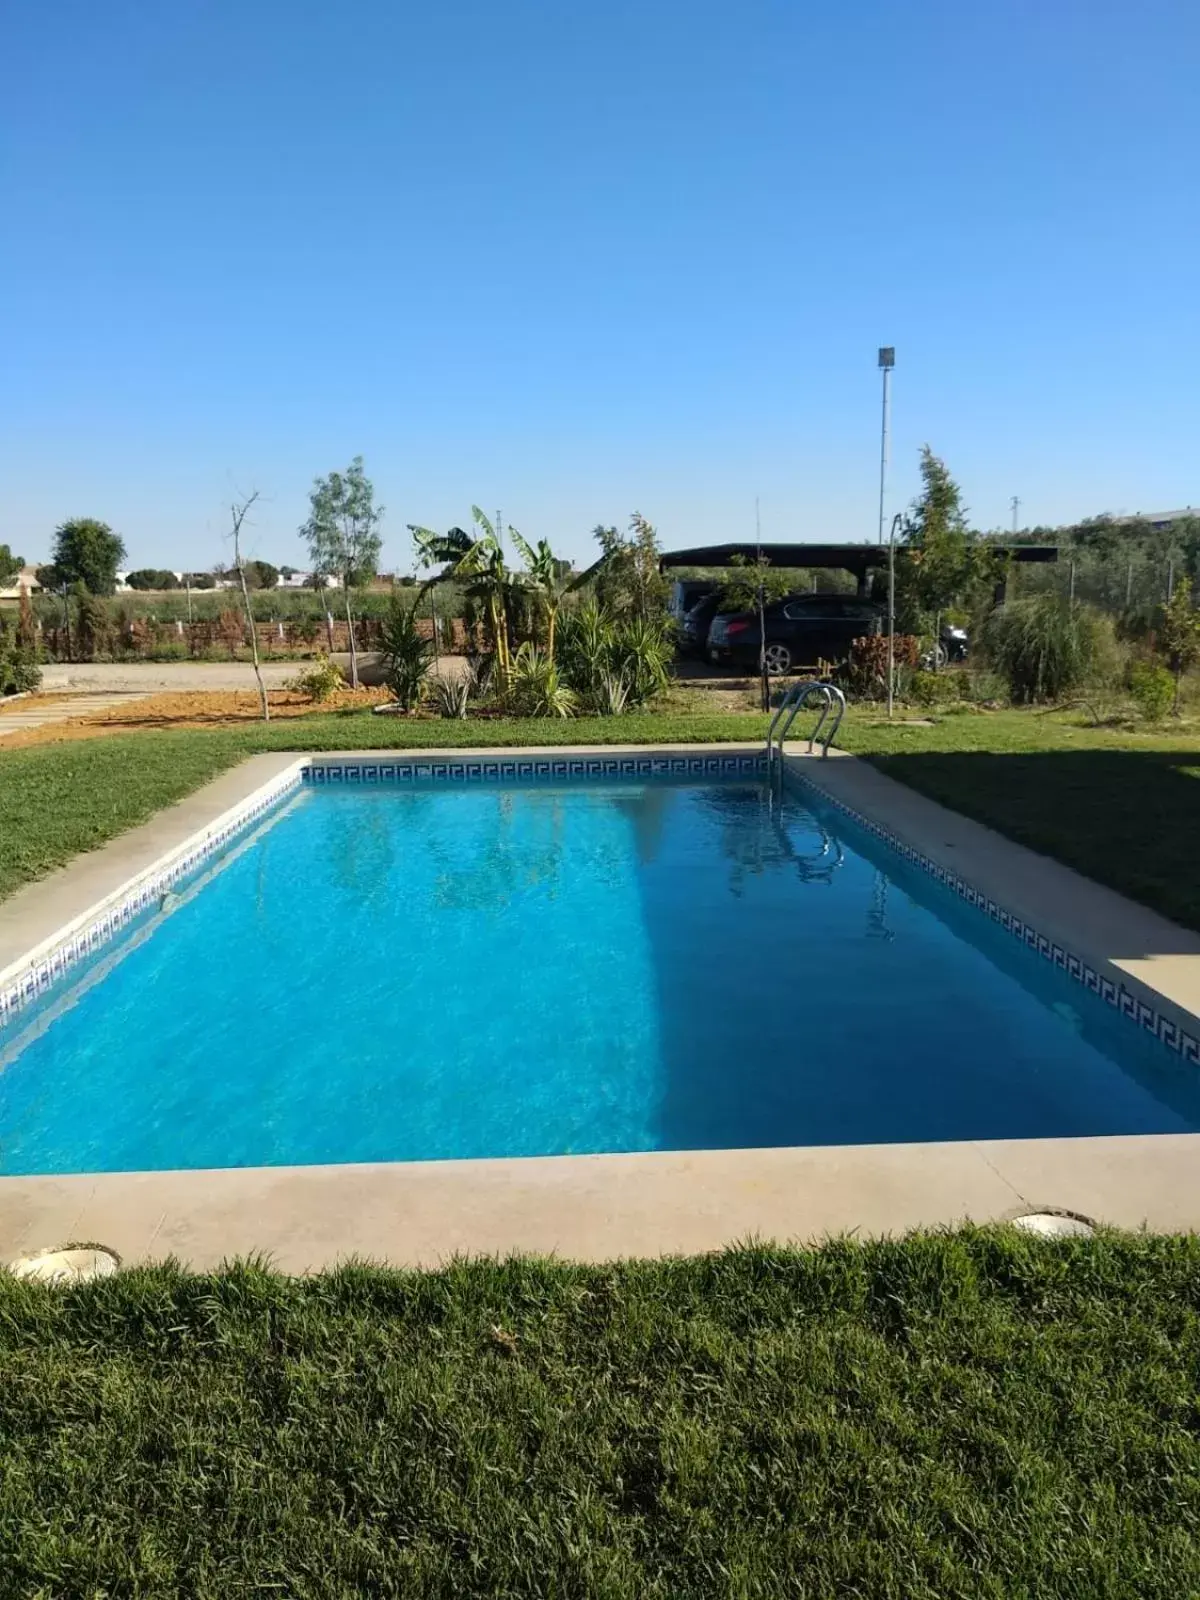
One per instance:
(887, 360)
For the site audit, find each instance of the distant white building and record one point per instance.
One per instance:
(25, 579)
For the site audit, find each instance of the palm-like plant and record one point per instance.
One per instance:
(479, 563)
(548, 577)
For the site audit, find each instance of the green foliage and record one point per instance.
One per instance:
(536, 688)
(932, 689)
(595, 654)
(49, 577)
(451, 696)
(407, 653)
(1047, 647)
(626, 580)
(641, 653)
(200, 580)
(342, 531)
(318, 681)
(152, 578)
(743, 580)
(1179, 633)
(260, 574)
(1153, 689)
(942, 564)
(476, 562)
(88, 552)
(19, 670)
(10, 566)
(93, 625)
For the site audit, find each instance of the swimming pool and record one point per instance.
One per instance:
(392, 973)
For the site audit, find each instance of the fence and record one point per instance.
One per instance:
(228, 636)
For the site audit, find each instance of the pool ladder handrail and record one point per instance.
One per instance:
(832, 701)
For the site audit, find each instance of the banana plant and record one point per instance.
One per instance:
(548, 577)
(478, 562)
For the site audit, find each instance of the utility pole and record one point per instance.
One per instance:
(1016, 506)
(887, 360)
(764, 684)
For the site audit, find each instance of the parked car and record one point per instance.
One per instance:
(801, 631)
(692, 631)
(952, 646)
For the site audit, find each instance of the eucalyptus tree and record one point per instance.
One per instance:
(342, 534)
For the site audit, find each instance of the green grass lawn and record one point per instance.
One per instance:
(1118, 805)
(972, 1414)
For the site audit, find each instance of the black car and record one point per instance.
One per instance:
(802, 632)
(692, 630)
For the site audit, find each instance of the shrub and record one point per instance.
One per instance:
(610, 696)
(406, 653)
(868, 661)
(318, 681)
(19, 670)
(452, 696)
(536, 688)
(935, 688)
(640, 654)
(1047, 646)
(1153, 689)
(93, 626)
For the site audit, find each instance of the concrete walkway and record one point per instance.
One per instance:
(35, 712)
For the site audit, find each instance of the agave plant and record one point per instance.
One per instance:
(452, 696)
(610, 695)
(535, 688)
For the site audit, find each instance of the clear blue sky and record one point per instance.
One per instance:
(574, 258)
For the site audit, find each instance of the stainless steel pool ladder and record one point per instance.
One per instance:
(833, 702)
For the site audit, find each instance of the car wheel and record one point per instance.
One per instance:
(778, 658)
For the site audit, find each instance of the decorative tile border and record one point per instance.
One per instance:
(532, 769)
(1165, 1027)
(44, 966)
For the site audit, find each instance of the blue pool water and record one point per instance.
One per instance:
(394, 974)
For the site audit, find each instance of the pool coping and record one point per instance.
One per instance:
(594, 1207)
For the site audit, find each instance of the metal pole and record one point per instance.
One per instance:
(764, 685)
(891, 650)
(883, 446)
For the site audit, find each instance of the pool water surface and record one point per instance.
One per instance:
(391, 974)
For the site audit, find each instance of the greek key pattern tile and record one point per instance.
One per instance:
(1129, 1005)
(52, 964)
(533, 769)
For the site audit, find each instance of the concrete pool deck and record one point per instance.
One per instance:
(605, 1206)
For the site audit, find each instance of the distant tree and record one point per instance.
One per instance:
(26, 621)
(342, 534)
(10, 566)
(49, 577)
(739, 591)
(151, 578)
(943, 563)
(94, 629)
(1179, 633)
(200, 580)
(626, 577)
(238, 512)
(88, 552)
(260, 574)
